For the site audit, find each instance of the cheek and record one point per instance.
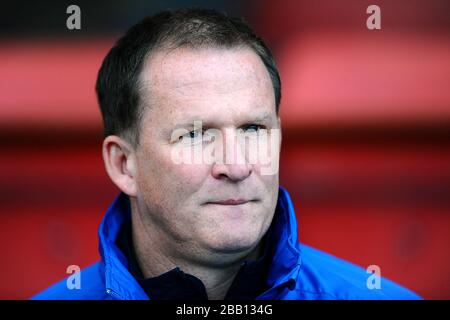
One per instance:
(270, 185)
(162, 180)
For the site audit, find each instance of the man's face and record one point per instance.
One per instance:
(191, 208)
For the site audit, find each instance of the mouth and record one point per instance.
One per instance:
(230, 202)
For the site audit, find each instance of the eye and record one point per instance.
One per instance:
(253, 127)
(192, 137)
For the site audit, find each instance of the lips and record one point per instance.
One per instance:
(230, 202)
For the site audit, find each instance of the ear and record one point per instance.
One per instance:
(120, 162)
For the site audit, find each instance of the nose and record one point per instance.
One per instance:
(235, 166)
(232, 172)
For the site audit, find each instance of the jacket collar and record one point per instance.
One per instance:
(286, 260)
(120, 284)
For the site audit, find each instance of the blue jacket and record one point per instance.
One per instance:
(297, 271)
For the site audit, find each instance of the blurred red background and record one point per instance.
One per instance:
(366, 119)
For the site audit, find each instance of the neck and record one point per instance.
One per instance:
(154, 259)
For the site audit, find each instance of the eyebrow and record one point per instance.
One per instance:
(190, 123)
(262, 118)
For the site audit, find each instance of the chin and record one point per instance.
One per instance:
(234, 242)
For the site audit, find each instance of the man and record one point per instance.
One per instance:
(217, 229)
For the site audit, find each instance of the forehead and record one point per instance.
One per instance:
(206, 82)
